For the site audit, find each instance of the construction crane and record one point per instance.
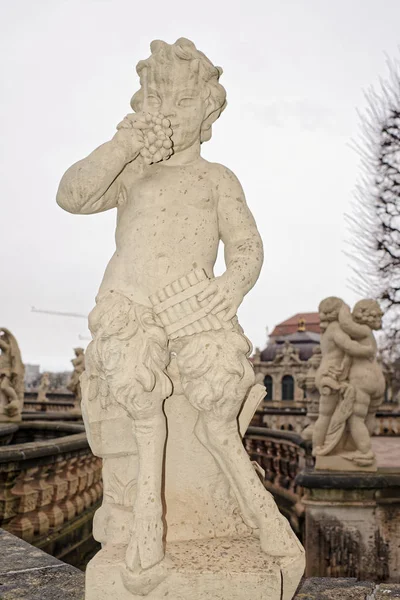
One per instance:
(58, 313)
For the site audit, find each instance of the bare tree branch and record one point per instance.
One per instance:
(374, 222)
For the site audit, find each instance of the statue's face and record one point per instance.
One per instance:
(329, 311)
(179, 94)
(371, 317)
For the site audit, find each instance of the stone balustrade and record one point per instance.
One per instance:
(50, 405)
(50, 486)
(282, 456)
(295, 418)
(387, 423)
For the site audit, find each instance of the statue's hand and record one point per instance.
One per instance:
(344, 313)
(130, 134)
(224, 294)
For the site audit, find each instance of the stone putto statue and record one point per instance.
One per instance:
(307, 381)
(167, 371)
(44, 387)
(351, 385)
(12, 373)
(74, 384)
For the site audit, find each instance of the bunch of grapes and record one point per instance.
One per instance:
(157, 139)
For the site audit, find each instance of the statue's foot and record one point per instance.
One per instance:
(317, 450)
(363, 459)
(146, 547)
(278, 539)
(141, 582)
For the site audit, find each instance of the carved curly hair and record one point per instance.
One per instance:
(184, 49)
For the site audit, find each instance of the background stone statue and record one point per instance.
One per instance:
(44, 387)
(74, 384)
(12, 373)
(351, 385)
(166, 341)
(307, 381)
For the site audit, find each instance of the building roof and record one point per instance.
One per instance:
(303, 341)
(300, 322)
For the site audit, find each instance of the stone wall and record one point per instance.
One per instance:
(29, 574)
(352, 524)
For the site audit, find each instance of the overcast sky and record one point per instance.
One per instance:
(295, 73)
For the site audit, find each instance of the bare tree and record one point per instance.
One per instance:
(375, 218)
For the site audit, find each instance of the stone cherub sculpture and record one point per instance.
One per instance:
(351, 384)
(44, 387)
(165, 328)
(74, 384)
(12, 373)
(307, 381)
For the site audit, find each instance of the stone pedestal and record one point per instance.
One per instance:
(210, 553)
(218, 569)
(352, 524)
(339, 464)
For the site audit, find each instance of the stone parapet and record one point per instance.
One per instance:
(282, 455)
(50, 486)
(27, 573)
(352, 524)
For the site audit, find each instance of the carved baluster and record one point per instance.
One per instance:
(59, 491)
(285, 459)
(293, 467)
(77, 499)
(83, 481)
(69, 475)
(22, 525)
(268, 462)
(88, 467)
(40, 520)
(8, 501)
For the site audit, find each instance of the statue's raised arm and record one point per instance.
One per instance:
(352, 347)
(94, 184)
(356, 331)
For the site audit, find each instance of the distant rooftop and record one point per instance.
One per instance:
(308, 321)
(302, 331)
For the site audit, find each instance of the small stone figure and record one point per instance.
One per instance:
(307, 381)
(287, 354)
(351, 385)
(12, 372)
(74, 384)
(165, 327)
(44, 387)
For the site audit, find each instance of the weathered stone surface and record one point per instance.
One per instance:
(27, 573)
(219, 569)
(387, 591)
(164, 335)
(351, 385)
(334, 589)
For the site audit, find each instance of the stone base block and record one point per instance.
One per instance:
(216, 569)
(339, 463)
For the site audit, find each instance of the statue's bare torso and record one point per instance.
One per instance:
(170, 211)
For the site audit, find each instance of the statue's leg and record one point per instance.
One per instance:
(357, 423)
(216, 376)
(327, 405)
(126, 363)
(371, 417)
(8, 389)
(146, 547)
